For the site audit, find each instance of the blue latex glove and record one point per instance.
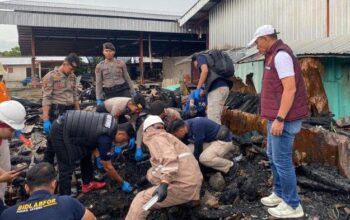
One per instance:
(118, 150)
(131, 143)
(126, 187)
(47, 126)
(18, 133)
(138, 154)
(99, 101)
(99, 165)
(133, 94)
(196, 94)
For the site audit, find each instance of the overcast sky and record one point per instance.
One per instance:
(9, 35)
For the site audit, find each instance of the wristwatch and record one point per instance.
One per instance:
(280, 119)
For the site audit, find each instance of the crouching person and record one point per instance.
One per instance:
(212, 142)
(74, 136)
(175, 172)
(42, 203)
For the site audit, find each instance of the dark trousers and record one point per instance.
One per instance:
(65, 172)
(55, 112)
(60, 143)
(2, 206)
(117, 91)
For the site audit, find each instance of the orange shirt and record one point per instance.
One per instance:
(4, 94)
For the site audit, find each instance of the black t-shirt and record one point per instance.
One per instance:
(105, 144)
(43, 205)
(201, 59)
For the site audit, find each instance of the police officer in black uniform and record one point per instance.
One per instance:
(74, 136)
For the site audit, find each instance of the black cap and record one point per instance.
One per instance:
(156, 107)
(128, 128)
(138, 99)
(73, 60)
(108, 45)
(194, 57)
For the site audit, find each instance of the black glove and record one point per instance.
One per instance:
(161, 191)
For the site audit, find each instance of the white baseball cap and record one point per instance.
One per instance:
(262, 31)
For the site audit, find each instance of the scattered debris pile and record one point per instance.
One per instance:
(324, 193)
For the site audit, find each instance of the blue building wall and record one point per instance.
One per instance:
(336, 81)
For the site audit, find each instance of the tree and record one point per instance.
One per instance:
(14, 52)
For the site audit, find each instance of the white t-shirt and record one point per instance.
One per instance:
(284, 64)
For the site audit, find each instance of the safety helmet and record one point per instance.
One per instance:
(151, 120)
(13, 114)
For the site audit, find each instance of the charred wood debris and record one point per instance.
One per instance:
(325, 194)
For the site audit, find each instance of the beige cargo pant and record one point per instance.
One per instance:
(214, 154)
(136, 211)
(177, 194)
(5, 164)
(216, 102)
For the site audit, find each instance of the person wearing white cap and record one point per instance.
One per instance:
(12, 118)
(284, 105)
(175, 173)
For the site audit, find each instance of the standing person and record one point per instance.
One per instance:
(284, 105)
(175, 173)
(60, 93)
(43, 203)
(12, 117)
(112, 77)
(212, 142)
(75, 135)
(215, 85)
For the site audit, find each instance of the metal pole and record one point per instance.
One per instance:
(150, 51)
(33, 60)
(141, 58)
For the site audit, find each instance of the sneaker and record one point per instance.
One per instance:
(92, 185)
(283, 210)
(271, 200)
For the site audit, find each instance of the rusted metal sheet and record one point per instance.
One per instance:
(241, 122)
(312, 69)
(247, 87)
(313, 145)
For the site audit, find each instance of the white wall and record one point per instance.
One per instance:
(13, 80)
(170, 70)
(19, 73)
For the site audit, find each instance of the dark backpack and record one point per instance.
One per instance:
(220, 63)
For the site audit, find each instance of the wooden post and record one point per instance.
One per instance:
(141, 58)
(33, 60)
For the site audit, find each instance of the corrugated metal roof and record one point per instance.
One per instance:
(331, 46)
(90, 22)
(28, 60)
(81, 8)
(46, 14)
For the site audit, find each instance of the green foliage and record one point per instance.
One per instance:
(14, 52)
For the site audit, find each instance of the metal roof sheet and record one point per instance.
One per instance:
(81, 8)
(338, 45)
(198, 11)
(28, 60)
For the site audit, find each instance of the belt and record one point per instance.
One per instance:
(115, 87)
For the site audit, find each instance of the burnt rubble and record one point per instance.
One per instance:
(324, 193)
